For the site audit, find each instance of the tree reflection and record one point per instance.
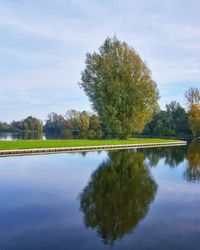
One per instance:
(118, 195)
(193, 171)
(172, 156)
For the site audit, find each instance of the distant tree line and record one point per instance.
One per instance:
(170, 122)
(173, 121)
(28, 124)
(76, 123)
(73, 122)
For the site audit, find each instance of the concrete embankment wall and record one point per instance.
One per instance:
(34, 151)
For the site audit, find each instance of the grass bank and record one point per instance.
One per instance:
(30, 144)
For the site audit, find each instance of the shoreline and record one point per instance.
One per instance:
(39, 151)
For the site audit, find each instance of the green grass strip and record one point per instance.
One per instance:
(29, 144)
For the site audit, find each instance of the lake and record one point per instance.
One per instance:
(11, 136)
(126, 199)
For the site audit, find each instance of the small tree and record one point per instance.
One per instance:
(194, 119)
(120, 88)
(80, 120)
(74, 116)
(55, 123)
(95, 122)
(193, 100)
(192, 96)
(84, 122)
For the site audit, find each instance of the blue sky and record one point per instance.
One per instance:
(43, 45)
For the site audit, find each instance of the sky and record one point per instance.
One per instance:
(43, 44)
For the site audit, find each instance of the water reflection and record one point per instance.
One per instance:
(52, 135)
(31, 135)
(40, 210)
(192, 172)
(118, 195)
(172, 156)
(28, 135)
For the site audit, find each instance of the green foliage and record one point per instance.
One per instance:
(95, 122)
(80, 120)
(118, 195)
(84, 122)
(55, 123)
(32, 124)
(194, 119)
(173, 121)
(4, 126)
(193, 100)
(28, 124)
(120, 88)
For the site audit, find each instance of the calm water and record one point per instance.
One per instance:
(144, 199)
(11, 136)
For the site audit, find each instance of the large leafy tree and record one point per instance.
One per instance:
(119, 86)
